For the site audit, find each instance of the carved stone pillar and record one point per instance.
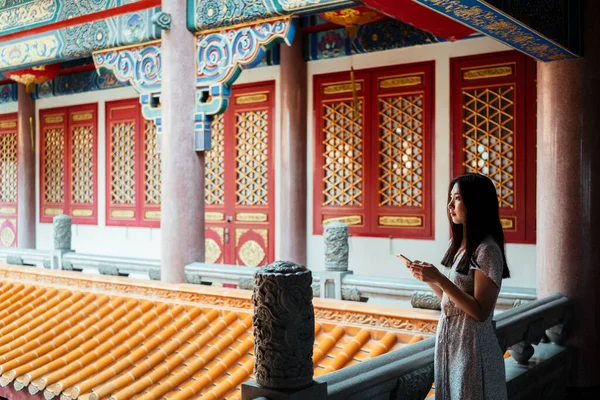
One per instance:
(568, 193)
(62, 240)
(335, 236)
(292, 206)
(182, 208)
(284, 334)
(26, 170)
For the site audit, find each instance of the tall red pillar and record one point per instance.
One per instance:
(292, 207)
(25, 169)
(182, 192)
(568, 185)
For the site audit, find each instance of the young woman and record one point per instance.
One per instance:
(469, 363)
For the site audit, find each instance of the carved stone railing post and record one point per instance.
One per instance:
(335, 236)
(62, 240)
(284, 334)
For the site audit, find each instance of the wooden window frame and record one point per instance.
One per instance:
(130, 215)
(365, 220)
(9, 124)
(88, 212)
(523, 77)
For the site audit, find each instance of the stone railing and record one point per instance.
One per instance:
(531, 332)
(31, 257)
(135, 268)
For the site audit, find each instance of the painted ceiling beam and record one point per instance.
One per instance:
(210, 14)
(29, 17)
(421, 17)
(547, 30)
(78, 41)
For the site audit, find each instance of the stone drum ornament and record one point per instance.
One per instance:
(62, 232)
(336, 246)
(284, 326)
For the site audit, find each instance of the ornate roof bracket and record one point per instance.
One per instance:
(552, 32)
(140, 66)
(220, 58)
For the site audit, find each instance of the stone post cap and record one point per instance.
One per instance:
(336, 225)
(282, 268)
(61, 217)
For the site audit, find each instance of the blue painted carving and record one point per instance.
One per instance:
(209, 14)
(162, 20)
(221, 56)
(18, 15)
(80, 82)
(8, 93)
(377, 36)
(140, 66)
(484, 18)
(78, 41)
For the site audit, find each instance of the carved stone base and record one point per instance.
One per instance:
(425, 300)
(252, 390)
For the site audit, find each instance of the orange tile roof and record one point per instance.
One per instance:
(81, 337)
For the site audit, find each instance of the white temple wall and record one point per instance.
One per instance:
(375, 256)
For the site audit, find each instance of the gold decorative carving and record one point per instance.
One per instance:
(54, 119)
(51, 212)
(82, 117)
(483, 73)
(400, 221)
(53, 169)
(7, 235)
(251, 217)
(252, 98)
(122, 214)
(507, 223)
(400, 81)
(383, 321)
(349, 220)
(8, 167)
(152, 214)
(342, 87)
(214, 216)
(251, 253)
(8, 210)
(252, 143)
(82, 164)
(214, 189)
(82, 213)
(212, 251)
(8, 124)
(30, 51)
(238, 234)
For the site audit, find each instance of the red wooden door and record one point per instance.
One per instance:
(240, 180)
(8, 180)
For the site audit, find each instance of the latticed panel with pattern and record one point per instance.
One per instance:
(82, 165)
(251, 158)
(123, 168)
(152, 169)
(400, 148)
(488, 137)
(215, 161)
(8, 168)
(54, 165)
(342, 152)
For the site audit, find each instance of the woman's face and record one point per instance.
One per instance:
(456, 207)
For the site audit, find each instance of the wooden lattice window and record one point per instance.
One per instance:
(493, 123)
(132, 166)
(69, 178)
(8, 180)
(373, 151)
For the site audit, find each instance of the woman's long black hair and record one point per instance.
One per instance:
(482, 219)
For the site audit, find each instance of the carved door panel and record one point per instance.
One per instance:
(240, 180)
(8, 180)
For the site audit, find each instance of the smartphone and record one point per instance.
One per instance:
(406, 259)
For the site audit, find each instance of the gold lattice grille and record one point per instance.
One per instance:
(401, 151)
(488, 137)
(151, 164)
(215, 173)
(343, 154)
(251, 134)
(8, 168)
(122, 168)
(54, 165)
(82, 167)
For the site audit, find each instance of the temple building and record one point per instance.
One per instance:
(155, 153)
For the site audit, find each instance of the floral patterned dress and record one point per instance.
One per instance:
(469, 364)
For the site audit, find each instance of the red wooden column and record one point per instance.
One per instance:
(568, 185)
(182, 208)
(26, 169)
(292, 207)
